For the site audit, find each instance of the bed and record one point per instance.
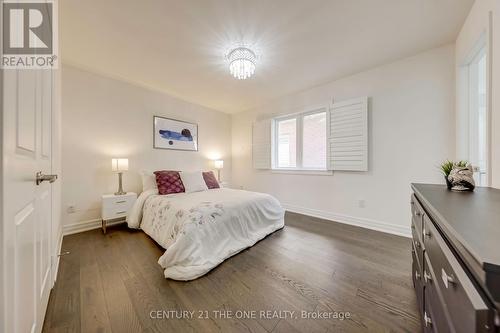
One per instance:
(199, 230)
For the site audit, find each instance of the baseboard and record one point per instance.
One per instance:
(351, 220)
(82, 226)
(74, 228)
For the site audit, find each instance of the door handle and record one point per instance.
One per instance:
(447, 279)
(427, 277)
(427, 320)
(40, 177)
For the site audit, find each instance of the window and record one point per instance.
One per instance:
(287, 143)
(314, 141)
(319, 141)
(474, 76)
(300, 141)
(480, 118)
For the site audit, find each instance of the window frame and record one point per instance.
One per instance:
(299, 123)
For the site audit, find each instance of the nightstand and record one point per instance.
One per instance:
(116, 207)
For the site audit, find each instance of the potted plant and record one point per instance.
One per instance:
(446, 168)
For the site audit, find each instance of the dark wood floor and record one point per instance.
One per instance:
(113, 283)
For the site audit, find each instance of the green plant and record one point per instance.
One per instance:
(447, 165)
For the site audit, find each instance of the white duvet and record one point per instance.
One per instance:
(200, 230)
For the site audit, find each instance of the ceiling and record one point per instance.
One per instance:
(178, 46)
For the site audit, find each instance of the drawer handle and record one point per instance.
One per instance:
(427, 277)
(427, 233)
(447, 279)
(123, 212)
(417, 275)
(417, 244)
(413, 226)
(122, 201)
(412, 202)
(427, 320)
(418, 213)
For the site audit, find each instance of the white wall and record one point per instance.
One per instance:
(477, 23)
(412, 129)
(104, 118)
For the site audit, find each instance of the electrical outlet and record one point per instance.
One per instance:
(361, 203)
(71, 209)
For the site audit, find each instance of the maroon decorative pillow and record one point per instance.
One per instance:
(169, 182)
(210, 180)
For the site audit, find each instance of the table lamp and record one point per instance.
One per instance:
(119, 165)
(219, 164)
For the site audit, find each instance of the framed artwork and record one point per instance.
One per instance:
(174, 134)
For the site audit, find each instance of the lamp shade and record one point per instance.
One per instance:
(219, 164)
(119, 164)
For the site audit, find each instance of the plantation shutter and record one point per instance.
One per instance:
(348, 136)
(261, 144)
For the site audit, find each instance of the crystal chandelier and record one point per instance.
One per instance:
(241, 62)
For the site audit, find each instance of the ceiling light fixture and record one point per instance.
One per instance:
(242, 62)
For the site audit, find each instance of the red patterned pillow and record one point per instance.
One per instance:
(210, 180)
(169, 182)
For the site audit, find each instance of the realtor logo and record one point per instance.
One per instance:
(29, 38)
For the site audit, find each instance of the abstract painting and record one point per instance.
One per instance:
(174, 134)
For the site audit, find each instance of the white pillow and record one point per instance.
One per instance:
(193, 181)
(148, 181)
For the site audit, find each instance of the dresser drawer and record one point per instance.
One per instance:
(417, 213)
(435, 317)
(467, 310)
(418, 245)
(417, 281)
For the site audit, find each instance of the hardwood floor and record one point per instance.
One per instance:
(113, 283)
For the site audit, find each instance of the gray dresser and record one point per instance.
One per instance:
(456, 258)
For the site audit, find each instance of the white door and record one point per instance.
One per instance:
(27, 136)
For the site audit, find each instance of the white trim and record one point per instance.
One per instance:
(352, 220)
(293, 171)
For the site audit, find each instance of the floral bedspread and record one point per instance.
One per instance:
(200, 230)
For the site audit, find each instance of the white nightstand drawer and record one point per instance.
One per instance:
(118, 200)
(118, 205)
(111, 199)
(116, 210)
